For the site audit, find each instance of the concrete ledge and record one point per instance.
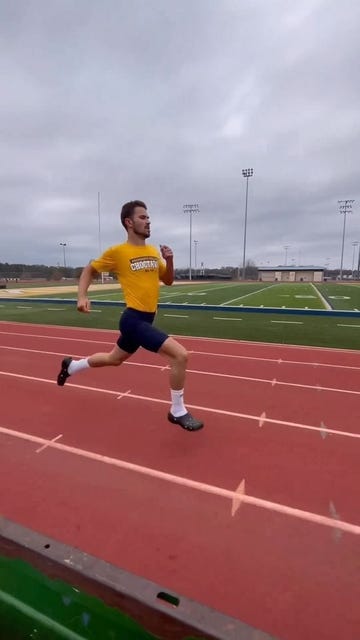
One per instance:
(142, 600)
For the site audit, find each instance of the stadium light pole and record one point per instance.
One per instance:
(63, 245)
(99, 225)
(196, 242)
(190, 209)
(345, 207)
(354, 244)
(327, 264)
(286, 247)
(99, 233)
(247, 173)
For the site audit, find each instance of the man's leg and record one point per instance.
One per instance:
(178, 362)
(112, 359)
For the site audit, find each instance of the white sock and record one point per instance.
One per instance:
(177, 399)
(78, 365)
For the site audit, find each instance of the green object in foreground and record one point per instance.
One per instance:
(35, 607)
(52, 591)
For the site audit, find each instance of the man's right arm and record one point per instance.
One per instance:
(87, 275)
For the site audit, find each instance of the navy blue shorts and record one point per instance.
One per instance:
(137, 331)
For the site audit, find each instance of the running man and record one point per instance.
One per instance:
(139, 269)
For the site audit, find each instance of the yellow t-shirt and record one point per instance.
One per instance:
(138, 270)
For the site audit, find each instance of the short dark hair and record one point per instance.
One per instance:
(127, 210)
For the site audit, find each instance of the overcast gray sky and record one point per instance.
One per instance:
(167, 101)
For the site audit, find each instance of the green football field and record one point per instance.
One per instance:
(179, 318)
(258, 294)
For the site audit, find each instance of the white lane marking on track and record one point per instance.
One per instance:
(233, 341)
(49, 443)
(223, 412)
(192, 484)
(201, 372)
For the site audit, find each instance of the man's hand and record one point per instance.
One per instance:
(166, 252)
(83, 304)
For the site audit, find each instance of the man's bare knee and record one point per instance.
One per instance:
(182, 357)
(116, 358)
(175, 351)
(112, 359)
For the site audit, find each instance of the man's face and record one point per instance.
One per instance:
(140, 222)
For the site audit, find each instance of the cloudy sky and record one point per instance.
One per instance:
(167, 101)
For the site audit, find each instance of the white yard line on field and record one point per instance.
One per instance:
(325, 303)
(253, 293)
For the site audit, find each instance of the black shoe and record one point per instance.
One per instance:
(187, 422)
(64, 372)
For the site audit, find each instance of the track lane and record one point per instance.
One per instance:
(314, 407)
(292, 578)
(258, 350)
(293, 467)
(287, 566)
(284, 370)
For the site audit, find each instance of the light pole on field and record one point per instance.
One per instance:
(63, 245)
(99, 231)
(196, 242)
(345, 207)
(190, 209)
(354, 244)
(247, 173)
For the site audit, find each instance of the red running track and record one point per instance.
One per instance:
(285, 420)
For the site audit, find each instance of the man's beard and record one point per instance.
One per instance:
(143, 234)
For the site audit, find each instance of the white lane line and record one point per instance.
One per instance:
(319, 294)
(286, 321)
(52, 337)
(191, 484)
(357, 326)
(202, 372)
(233, 319)
(252, 293)
(235, 414)
(185, 291)
(125, 393)
(174, 315)
(337, 351)
(256, 358)
(114, 334)
(202, 353)
(49, 443)
(234, 342)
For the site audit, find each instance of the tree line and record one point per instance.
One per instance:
(22, 272)
(36, 272)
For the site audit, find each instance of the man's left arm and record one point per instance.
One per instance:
(167, 277)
